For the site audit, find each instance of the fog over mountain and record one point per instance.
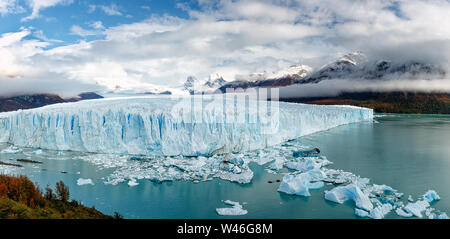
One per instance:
(232, 39)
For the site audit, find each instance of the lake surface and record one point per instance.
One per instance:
(410, 153)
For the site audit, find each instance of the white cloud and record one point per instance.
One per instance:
(97, 29)
(40, 35)
(335, 87)
(38, 5)
(237, 38)
(77, 30)
(10, 6)
(97, 25)
(146, 8)
(19, 76)
(112, 10)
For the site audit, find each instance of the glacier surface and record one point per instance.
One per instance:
(167, 126)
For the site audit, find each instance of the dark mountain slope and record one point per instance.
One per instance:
(387, 102)
(39, 100)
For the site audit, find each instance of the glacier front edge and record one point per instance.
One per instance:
(170, 126)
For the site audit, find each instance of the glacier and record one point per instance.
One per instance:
(170, 126)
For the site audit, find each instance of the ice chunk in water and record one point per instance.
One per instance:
(431, 196)
(361, 213)
(307, 164)
(402, 213)
(416, 208)
(82, 181)
(301, 183)
(236, 210)
(132, 182)
(11, 150)
(380, 211)
(37, 152)
(352, 192)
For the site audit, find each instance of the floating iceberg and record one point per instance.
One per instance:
(431, 196)
(170, 126)
(82, 181)
(308, 164)
(11, 150)
(301, 183)
(402, 213)
(352, 192)
(417, 208)
(236, 210)
(132, 182)
(380, 211)
(38, 152)
(361, 213)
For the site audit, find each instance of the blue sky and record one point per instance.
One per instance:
(70, 46)
(55, 22)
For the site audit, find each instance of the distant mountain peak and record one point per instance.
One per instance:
(214, 81)
(194, 86)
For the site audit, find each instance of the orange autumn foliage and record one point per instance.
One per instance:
(21, 189)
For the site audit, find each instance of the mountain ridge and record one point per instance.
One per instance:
(38, 100)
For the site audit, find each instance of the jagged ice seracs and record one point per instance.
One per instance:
(168, 126)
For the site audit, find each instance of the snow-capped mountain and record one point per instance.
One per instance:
(189, 85)
(194, 86)
(341, 68)
(284, 77)
(214, 81)
(357, 66)
(350, 66)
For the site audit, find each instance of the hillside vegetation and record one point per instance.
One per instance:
(21, 199)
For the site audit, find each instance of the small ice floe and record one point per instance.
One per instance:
(132, 182)
(300, 184)
(11, 150)
(431, 196)
(402, 213)
(235, 210)
(83, 181)
(380, 211)
(420, 206)
(416, 208)
(410, 198)
(276, 165)
(361, 213)
(352, 192)
(37, 152)
(307, 164)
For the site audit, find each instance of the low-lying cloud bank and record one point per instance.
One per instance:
(335, 87)
(46, 84)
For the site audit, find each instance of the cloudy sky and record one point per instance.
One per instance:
(68, 46)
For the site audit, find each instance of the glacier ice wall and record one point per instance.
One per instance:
(169, 126)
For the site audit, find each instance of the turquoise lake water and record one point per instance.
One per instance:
(410, 153)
